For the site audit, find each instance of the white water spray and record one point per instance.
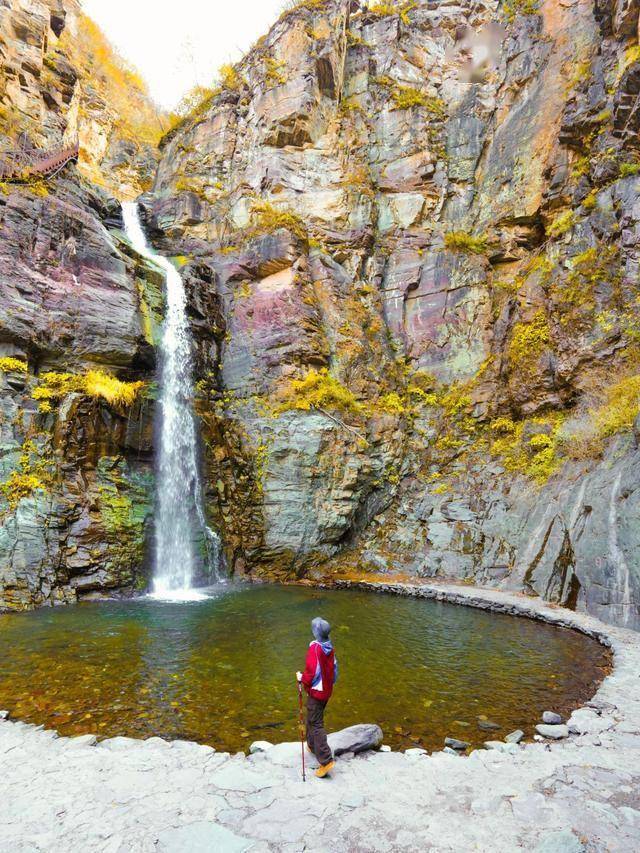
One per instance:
(179, 515)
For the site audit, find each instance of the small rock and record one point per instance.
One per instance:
(115, 744)
(538, 738)
(157, 742)
(501, 746)
(385, 748)
(4, 715)
(84, 740)
(488, 726)
(450, 751)
(454, 743)
(259, 746)
(555, 732)
(515, 737)
(415, 752)
(551, 718)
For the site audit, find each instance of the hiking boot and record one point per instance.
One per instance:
(324, 769)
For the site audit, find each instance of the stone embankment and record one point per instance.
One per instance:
(121, 795)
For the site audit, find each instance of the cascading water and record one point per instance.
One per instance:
(179, 514)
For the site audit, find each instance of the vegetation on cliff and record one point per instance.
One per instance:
(318, 390)
(103, 71)
(53, 387)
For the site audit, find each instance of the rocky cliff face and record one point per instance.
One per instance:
(410, 236)
(77, 309)
(60, 81)
(414, 233)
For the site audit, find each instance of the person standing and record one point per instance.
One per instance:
(319, 676)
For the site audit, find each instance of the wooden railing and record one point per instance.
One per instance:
(39, 167)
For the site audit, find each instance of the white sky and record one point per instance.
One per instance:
(177, 44)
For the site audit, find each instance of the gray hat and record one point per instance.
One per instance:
(320, 629)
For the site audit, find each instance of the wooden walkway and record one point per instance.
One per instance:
(40, 167)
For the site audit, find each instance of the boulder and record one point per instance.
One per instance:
(356, 739)
(260, 746)
(555, 732)
(585, 721)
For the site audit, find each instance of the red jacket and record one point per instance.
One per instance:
(321, 671)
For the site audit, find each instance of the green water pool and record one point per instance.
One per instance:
(221, 671)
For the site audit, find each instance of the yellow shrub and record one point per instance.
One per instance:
(503, 426)
(274, 71)
(268, 218)
(230, 78)
(538, 457)
(319, 390)
(563, 223)
(119, 394)
(392, 404)
(421, 397)
(292, 6)
(620, 409)
(381, 10)
(32, 475)
(14, 365)
(528, 342)
(54, 386)
(460, 241)
(513, 8)
(19, 486)
(406, 97)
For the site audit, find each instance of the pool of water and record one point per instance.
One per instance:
(221, 671)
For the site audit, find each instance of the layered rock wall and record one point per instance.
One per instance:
(436, 204)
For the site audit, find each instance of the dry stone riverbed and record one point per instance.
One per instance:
(580, 793)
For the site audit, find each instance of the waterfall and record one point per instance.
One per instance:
(179, 516)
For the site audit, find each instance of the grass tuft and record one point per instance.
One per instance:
(267, 218)
(461, 241)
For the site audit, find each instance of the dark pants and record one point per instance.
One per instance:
(316, 735)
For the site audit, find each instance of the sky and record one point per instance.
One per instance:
(175, 45)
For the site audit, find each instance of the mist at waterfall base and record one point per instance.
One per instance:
(179, 516)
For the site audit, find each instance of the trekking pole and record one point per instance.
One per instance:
(301, 727)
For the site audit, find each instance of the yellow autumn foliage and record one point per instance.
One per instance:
(95, 383)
